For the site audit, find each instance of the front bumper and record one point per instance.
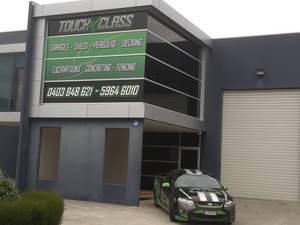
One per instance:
(206, 214)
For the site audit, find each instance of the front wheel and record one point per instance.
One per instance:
(172, 211)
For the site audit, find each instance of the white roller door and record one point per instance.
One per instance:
(261, 144)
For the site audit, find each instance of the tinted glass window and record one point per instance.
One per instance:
(11, 80)
(172, 69)
(172, 37)
(168, 76)
(160, 154)
(166, 98)
(171, 55)
(189, 139)
(161, 139)
(150, 168)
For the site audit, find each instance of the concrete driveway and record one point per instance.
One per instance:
(249, 212)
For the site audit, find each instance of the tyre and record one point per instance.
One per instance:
(172, 211)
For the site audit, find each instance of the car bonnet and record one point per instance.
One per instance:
(203, 195)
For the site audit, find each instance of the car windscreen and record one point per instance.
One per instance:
(199, 181)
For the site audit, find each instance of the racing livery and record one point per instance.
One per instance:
(193, 195)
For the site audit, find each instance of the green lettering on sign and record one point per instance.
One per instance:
(95, 68)
(97, 44)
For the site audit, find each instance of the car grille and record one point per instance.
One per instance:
(196, 216)
(209, 204)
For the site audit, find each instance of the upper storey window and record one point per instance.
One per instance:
(11, 82)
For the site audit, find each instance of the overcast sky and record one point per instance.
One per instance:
(217, 18)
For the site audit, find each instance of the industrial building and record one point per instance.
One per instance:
(97, 97)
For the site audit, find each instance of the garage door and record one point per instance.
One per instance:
(261, 144)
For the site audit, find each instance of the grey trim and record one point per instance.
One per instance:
(12, 48)
(157, 7)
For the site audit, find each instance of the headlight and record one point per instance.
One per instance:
(228, 204)
(184, 201)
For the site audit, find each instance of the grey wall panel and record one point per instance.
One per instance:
(166, 116)
(114, 193)
(134, 163)
(239, 58)
(81, 110)
(63, 8)
(81, 159)
(108, 5)
(210, 140)
(155, 3)
(40, 28)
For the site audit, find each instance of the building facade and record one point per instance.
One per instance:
(113, 94)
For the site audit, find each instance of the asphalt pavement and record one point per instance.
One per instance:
(248, 212)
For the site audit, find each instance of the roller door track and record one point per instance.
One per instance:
(261, 144)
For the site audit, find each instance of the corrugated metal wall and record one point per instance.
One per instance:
(261, 144)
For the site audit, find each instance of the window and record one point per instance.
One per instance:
(6, 81)
(170, 99)
(116, 156)
(11, 81)
(172, 55)
(49, 153)
(173, 70)
(172, 37)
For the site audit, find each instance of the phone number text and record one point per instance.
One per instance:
(91, 91)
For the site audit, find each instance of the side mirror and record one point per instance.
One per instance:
(166, 185)
(225, 187)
